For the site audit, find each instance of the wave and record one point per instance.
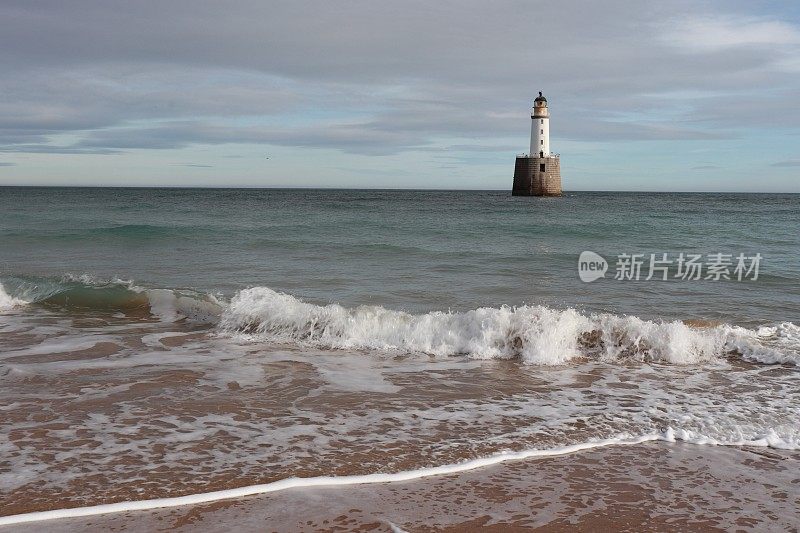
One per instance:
(534, 334)
(135, 231)
(669, 435)
(88, 293)
(7, 301)
(121, 232)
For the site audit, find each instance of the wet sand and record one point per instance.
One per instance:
(114, 410)
(648, 487)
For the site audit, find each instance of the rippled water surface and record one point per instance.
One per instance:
(166, 342)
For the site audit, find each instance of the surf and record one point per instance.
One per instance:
(85, 293)
(532, 334)
(536, 335)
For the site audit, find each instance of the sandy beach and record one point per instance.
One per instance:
(649, 487)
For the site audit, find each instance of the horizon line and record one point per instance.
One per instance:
(309, 188)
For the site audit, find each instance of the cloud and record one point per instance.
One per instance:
(717, 32)
(705, 167)
(480, 148)
(7, 164)
(359, 138)
(105, 77)
(46, 148)
(788, 163)
(57, 101)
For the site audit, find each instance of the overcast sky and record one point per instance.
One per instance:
(669, 95)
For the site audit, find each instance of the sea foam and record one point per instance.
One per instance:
(171, 306)
(534, 334)
(7, 301)
(669, 435)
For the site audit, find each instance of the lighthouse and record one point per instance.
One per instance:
(538, 173)
(540, 126)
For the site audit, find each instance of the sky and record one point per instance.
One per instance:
(644, 96)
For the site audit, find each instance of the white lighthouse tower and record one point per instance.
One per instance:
(538, 173)
(540, 127)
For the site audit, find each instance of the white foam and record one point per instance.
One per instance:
(320, 481)
(58, 345)
(669, 435)
(535, 334)
(9, 302)
(395, 528)
(770, 344)
(171, 306)
(153, 340)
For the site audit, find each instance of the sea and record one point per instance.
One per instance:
(165, 343)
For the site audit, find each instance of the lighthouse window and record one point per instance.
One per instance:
(541, 142)
(542, 121)
(541, 131)
(541, 167)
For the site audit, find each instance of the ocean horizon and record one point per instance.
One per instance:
(256, 187)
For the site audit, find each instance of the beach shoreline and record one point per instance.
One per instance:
(648, 486)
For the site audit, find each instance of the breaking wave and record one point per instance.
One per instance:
(533, 334)
(87, 293)
(7, 301)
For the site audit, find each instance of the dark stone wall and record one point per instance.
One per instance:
(531, 180)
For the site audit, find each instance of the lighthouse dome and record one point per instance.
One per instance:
(540, 98)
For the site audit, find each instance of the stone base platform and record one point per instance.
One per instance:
(537, 176)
